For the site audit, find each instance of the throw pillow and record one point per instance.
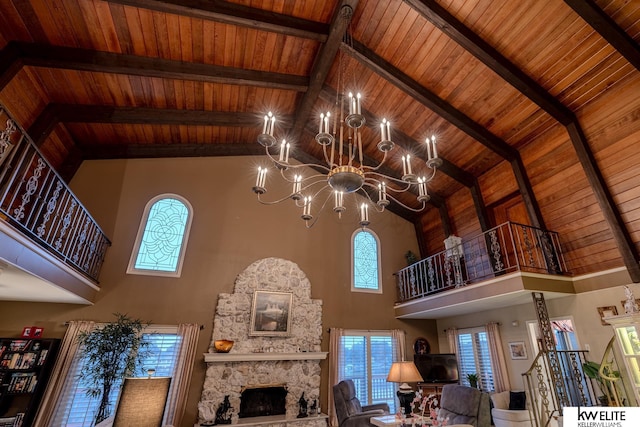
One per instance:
(517, 400)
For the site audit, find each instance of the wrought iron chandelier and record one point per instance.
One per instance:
(345, 174)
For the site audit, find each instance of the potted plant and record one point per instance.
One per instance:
(473, 380)
(110, 353)
(592, 370)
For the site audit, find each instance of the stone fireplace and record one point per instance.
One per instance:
(256, 363)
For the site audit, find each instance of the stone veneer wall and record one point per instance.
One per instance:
(232, 320)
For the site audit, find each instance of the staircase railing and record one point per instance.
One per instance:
(506, 248)
(545, 404)
(37, 202)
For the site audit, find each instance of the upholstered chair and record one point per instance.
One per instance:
(464, 405)
(349, 411)
(510, 409)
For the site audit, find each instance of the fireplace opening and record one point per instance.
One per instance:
(263, 401)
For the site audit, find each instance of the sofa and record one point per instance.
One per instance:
(464, 405)
(510, 409)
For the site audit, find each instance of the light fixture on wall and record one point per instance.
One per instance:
(404, 373)
(345, 174)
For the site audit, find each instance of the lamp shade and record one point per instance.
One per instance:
(142, 402)
(404, 372)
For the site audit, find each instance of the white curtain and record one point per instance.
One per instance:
(177, 399)
(66, 354)
(452, 337)
(335, 335)
(498, 361)
(398, 336)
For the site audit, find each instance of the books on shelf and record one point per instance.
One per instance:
(19, 360)
(22, 382)
(18, 345)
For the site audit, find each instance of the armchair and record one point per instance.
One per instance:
(349, 411)
(510, 409)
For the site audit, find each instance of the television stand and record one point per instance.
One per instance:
(433, 388)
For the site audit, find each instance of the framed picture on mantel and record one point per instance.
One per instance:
(271, 314)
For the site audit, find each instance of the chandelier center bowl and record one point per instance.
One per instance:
(347, 179)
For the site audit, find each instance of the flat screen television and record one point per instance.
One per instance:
(437, 368)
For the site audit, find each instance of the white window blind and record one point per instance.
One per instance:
(365, 358)
(76, 409)
(475, 357)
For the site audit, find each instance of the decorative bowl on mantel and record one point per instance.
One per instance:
(222, 346)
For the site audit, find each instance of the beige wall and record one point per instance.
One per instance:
(581, 308)
(230, 230)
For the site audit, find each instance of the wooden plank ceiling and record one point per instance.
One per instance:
(517, 92)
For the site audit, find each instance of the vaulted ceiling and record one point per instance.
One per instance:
(521, 95)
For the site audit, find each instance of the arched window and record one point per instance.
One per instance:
(162, 237)
(365, 262)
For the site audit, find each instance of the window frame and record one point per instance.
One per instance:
(354, 288)
(131, 269)
(368, 400)
(482, 373)
(72, 384)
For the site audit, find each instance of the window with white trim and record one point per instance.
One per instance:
(475, 357)
(76, 409)
(365, 262)
(162, 237)
(366, 357)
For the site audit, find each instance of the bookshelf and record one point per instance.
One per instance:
(25, 366)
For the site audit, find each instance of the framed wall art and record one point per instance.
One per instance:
(608, 311)
(517, 350)
(271, 314)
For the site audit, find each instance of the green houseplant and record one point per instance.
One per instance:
(110, 353)
(473, 380)
(592, 370)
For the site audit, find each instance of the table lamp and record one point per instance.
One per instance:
(403, 373)
(142, 402)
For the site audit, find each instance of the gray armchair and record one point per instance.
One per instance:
(348, 409)
(464, 405)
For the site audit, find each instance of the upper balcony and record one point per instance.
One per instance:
(44, 229)
(498, 268)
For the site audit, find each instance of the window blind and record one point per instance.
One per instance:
(366, 359)
(76, 409)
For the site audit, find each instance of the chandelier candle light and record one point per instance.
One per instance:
(345, 172)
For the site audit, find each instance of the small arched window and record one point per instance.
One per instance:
(162, 237)
(365, 262)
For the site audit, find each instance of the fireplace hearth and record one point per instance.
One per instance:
(263, 401)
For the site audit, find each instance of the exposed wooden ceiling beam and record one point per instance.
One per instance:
(10, 64)
(466, 38)
(430, 100)
(57, 113)
(326, 57)
(236, 14)
(40, 55)
(455, 117)
(608, 29)
(142, 150)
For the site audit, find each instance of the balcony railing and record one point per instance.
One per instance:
(506, 248)
(37, 202)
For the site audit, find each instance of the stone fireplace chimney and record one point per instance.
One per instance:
(291, 362)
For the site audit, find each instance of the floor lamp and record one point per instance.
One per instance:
(404, 373)
(142, 402)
